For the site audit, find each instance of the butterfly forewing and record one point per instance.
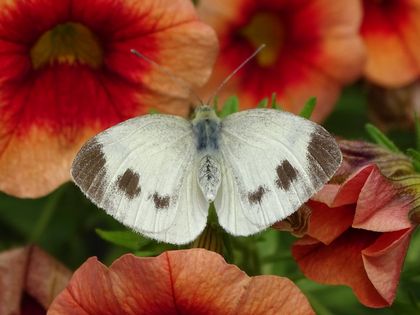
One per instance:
(273, 162)
(141, 172)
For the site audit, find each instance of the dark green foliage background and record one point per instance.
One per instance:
(64, 223)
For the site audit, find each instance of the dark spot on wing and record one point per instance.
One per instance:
(161, 202)
(129, 183)
(323, 154)
(88, 170)
(286, 174)
(255, 197)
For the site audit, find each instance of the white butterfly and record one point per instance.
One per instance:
(158, 173)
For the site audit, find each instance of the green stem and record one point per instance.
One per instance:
(45, 217)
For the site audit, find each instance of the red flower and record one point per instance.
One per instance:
(313, 49)
(391, 33)
(66, 72)
(358, 236)
(192, 281)
(29, 280)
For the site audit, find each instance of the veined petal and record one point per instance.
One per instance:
(379, 200)
(29, 280)
(389, 247)
(192, 281)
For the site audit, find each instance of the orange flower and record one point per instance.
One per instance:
(192, 281)
(313, 49)
(66, 72)
(391, 33)
(29, 280)
(358, 235)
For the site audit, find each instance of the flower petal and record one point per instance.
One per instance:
(379, 200)
(389, 247)
(192, 281)
(31, 278)
(273, 295)
(390, 61)
(36, 163)
(408, 24)
(12, 280)
(324, 264)
(348, 192)
(329, 223)
(45, 277)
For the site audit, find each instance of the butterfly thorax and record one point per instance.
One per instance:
(206, 128)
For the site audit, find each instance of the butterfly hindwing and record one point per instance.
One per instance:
(191, 218)
(272, 162)
(142, 173)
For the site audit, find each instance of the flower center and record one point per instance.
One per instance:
(68, 43)
(265, 28)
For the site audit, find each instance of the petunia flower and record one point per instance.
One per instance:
(358, 234)
(313, 48)
(390, 31)
(29, 280)
(194, 281)
(66, 72)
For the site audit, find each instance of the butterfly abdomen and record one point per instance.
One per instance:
(209, 176)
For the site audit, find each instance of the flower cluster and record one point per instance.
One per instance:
(67, 72)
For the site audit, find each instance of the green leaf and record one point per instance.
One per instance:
(230, 106)
(124, 238)
(308, 109)
(263, 103)
(415, 156)
(274, 102)
(417, 125)
(153, 111)
(380, 138)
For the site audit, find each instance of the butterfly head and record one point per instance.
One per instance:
(205, 112)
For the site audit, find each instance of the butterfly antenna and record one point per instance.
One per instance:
(169, 73)
(216, 92)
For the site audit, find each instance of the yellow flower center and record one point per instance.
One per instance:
(68, 43)
(265, 28)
